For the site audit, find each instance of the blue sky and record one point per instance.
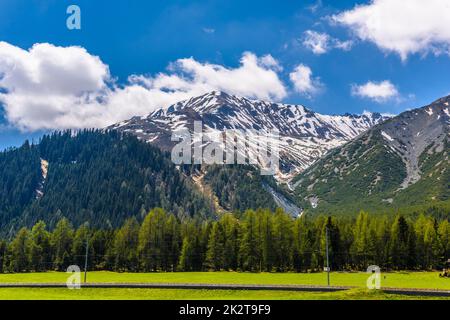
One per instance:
(144, 37)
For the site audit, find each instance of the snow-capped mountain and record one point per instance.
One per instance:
(305, 135)
(401, 162)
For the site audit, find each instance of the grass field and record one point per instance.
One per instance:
(420, 280)
(169, 294)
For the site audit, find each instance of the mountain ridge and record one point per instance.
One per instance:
(305, 135)
(403, 161)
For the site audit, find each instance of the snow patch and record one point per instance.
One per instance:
(284, 203)
(447, 112)
(386, 136)
(44, 168)
(44, 172)
(314, 201)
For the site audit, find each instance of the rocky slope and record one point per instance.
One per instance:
(305, 135)
(401, 162)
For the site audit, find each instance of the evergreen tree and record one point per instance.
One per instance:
(186, 255)
(125, 247)
(444, 236)
(172, 240)
(100, 257)
(283, 241)
(432, 246)
(303, 239)
(250, 250)
(383, 234)
(215, 256)
(20, 252)
(268, 237)
(231, 230)
(399, 245)
(80, 241)
(361, 238)
(61, 241)
(334, 244)
(40, 250)
(3, 253)
(152, 245)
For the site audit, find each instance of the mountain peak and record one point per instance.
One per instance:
(305, 135)
(403, 160)
(444, 100)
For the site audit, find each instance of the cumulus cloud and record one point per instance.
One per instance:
(403, 27)
(320, 43)
(270, 62)
(50, 87)
(304, 82)
(376, 91)
(316, 42)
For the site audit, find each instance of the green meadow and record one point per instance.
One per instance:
(420, 280)
(175, 294)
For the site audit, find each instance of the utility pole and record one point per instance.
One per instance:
(86, 258)
(328, 259)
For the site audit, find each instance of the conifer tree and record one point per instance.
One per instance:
(267, 236)
(80, 241)
(283, 241)
(215, 256)
(302, 245)
(40, 251)
(186, 255)
(360, 243)
(173, 243)
(125, 247)
(20, 252)
(444, 236)
(399, 244)
(231, 247)
(152, 245)
(250, 250)
(61, 241)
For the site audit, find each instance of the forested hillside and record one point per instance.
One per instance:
(240, 187)
(102, 178)
(20, 174)
(400, 163)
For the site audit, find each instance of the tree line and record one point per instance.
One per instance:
(255, 241)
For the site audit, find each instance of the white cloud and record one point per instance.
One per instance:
(255, 77)
(50, 87)
(316, 6)
(316, 42)
(343, 45)
(320, 43)
(304, 82)
(403, 27)
(376, 91)
(209, 30)
(270, 62)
